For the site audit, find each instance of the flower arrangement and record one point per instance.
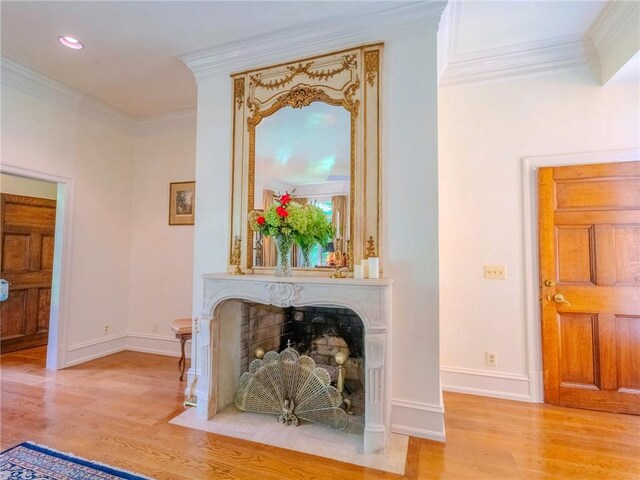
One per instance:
(288, 221)
(285, 218)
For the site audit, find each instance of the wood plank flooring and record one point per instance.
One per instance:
(115, 410)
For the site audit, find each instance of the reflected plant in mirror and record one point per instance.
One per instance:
(319, 232)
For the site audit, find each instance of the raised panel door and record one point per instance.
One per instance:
(26, 261)
(589, 246)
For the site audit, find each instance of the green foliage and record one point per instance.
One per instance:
(306, 224)
(274, 224)
(319, 230)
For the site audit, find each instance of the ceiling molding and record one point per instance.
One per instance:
(448, 34)
(28, 80)
(166, 121)
(309, 39)
(17, 75)
(518, 60)
(616, 37)
(615, 20)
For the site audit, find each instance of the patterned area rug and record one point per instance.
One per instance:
(35, 462)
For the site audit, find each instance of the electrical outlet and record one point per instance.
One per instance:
(154, 329)
(495, 272)
(105, 328)
(491, 359)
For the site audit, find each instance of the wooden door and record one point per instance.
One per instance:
(27, 234)
(589, 237)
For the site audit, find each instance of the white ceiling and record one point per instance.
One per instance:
(129, 60)
(486, 25)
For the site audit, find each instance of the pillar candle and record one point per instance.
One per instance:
(365, 268)
(358, 271)
(374, 267)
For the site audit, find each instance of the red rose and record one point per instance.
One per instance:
(260, 220)
(285, 199)
(282, 212)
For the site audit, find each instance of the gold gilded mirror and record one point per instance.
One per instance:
(310, 127)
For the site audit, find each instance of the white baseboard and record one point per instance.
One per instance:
(504, 385)
(137, 342)
(417, 419)
(418, 432)
(157, 344)
(86, 351)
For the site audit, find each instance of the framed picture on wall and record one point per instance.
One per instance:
(182, 203)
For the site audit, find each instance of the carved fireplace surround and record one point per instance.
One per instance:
(370, 299)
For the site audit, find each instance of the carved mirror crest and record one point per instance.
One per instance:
(313, 127)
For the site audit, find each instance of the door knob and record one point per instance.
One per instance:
(549, 283)
(559, 298)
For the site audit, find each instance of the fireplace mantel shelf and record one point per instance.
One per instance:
(377, 282)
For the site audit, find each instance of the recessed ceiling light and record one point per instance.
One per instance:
(70, 42)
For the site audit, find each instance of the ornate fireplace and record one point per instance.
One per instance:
(217, 340)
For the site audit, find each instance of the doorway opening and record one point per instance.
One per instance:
(27, 238)
(34, 239)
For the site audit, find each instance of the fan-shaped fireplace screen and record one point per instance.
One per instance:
(291, 387)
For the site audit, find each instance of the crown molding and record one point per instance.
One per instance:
(518, 60)
(17, 75)
(165, 121)
(448, 34)
(616, 19)
(311, 38)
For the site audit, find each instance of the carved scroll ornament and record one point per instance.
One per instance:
(283, 294)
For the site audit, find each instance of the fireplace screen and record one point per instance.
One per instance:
(291, 387)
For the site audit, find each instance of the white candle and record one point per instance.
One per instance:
(365, 268)
(358, 271)
(374, 267)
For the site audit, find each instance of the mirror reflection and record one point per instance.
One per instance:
(305, 151)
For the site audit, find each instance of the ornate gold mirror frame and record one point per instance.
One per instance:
(348, 78)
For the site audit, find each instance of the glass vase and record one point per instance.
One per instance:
(283, 263)
(306, 256)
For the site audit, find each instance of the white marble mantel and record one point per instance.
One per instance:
(369, 298)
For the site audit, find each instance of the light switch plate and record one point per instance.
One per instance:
(495, 272)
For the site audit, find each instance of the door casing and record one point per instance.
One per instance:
(60, 278)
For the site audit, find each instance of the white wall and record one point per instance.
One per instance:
(43, 137)
(161, 265)
(410, 241)
(484, 132)
(28, 187)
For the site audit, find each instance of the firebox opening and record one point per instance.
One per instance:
(319, 332)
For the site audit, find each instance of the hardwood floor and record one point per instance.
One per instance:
(115, 410)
